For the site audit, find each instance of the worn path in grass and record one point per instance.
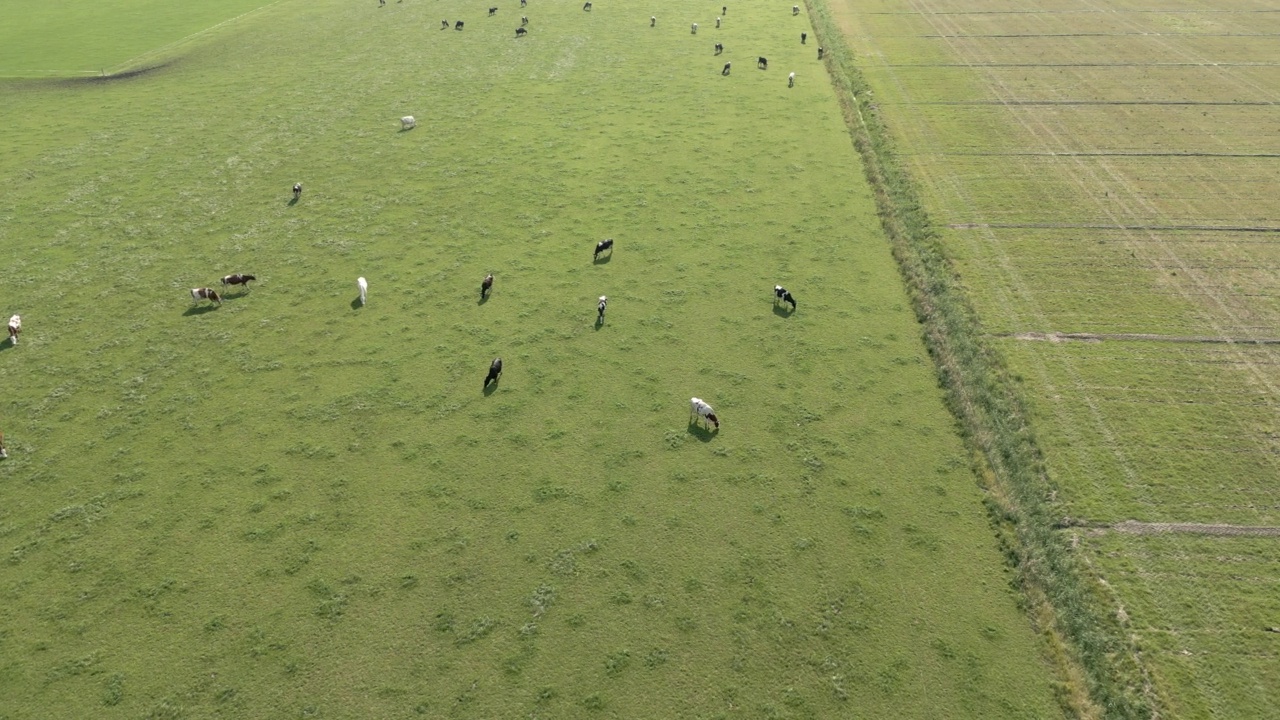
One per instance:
(1102, 171)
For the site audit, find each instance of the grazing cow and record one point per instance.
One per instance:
(495, 372)
(762, 63)
(521, 32)
(493, 11)
(699, 410)
(586, 6)
(444, 24)
(725, 71)
(197, 294)
(653, 20)
(15, 327)
(606, 244)
(717, 22)
(524, 20)
(719, 48)
(237, 279)
(458, 25)
(795, 9)
(694, 30)
(803, 37)
(364, 288)
(408, 123)
(780, 294)
(819, 53)
(297, 190)
(486, 285)
(600, 309)
(791, 80)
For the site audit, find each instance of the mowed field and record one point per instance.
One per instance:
(295, 506)
(1105, 174)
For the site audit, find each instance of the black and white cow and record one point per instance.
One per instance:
(699, 410)
(495, 371)
(781, 295)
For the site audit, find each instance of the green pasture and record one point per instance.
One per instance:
(79, 37)
(1109, 170)
(295, 506)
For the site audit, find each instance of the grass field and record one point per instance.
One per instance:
(1108, 171)
(294, 506)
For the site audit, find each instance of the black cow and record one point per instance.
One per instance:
(780, 294)
(495, 371)
(762, 63)
(606, 244)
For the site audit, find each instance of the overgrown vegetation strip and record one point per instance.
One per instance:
(1087, 642)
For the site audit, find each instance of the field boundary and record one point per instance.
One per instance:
(1100, 671)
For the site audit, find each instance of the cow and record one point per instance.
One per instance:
(762, 63)
(495, 372)
(458, 25)
(600, 309)
(791, 80)
(297, 190)
(780, 294)
(699, 410)
(408, 122)
(719, 48)
(606, 244)
(15, 327)
(486, 285)
(197, 294)
(725, 71)
(521, 32)
(493, 11)
(364, 289)
(237, 279)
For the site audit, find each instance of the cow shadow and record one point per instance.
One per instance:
(602, 260)
(199, 309)
(699, 431)
(491, 388)
(292, 202)
(783, 311)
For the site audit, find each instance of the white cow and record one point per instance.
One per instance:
(407, 122)
(15, 327)
(702, 411)
(364, 288)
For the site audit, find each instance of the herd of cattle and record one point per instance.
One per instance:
(699, 410)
